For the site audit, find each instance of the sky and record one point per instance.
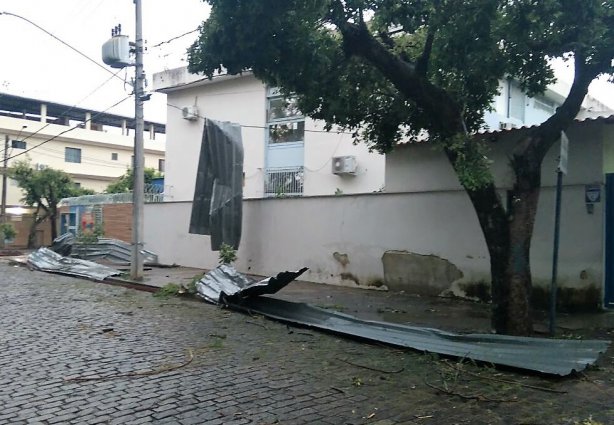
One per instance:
(34, 64)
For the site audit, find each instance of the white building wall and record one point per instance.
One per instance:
(236, 100)
(422, 169)
(321, 148)
(343, 239)
(242, 100)
(289, 233)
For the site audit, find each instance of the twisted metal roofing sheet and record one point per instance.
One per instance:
(46, 260)
(549, 356)
(226, 286)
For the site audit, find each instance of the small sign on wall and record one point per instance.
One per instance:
(592, 193)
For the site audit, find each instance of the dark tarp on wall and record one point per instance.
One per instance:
(218, 195)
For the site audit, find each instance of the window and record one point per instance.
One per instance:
(161, 165)
(544, 104)
(97, 211)
(72, 155)
(516, 100)
(285, 122)
(282, 107)
(18, 144)
(114, 156)
(291, 132)
(78, 185)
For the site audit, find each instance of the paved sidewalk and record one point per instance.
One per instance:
(445, 313)
(81, 352)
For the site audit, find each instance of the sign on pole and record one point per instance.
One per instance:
(562, 167)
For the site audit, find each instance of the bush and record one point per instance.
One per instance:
(90, 237)
(227, 254)
(7, 230)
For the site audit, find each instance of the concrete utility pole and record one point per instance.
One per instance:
(136, 265)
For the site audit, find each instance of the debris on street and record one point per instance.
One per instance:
(225, 286)
(111, 250)
(46, 260)
(114, 251)
(63, 244)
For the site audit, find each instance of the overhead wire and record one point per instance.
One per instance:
(68, 130)
(79, 52)
(266, 127)
(63, 114)
(86, 159)
(170, 40)
(113, 74)
(315, 170)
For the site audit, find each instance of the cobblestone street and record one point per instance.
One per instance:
(74, 351)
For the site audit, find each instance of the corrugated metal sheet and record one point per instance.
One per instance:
(218, 194)
(484, 134)
(226, 286)
(550, 356)
(46, 260)
(605, 119)
(112, 250)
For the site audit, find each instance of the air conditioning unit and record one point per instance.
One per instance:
(190, 113)
(40, 167)
(344, 165)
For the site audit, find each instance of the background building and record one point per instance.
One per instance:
(286, 154)
(93, 147)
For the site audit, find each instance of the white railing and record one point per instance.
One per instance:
(280, 182)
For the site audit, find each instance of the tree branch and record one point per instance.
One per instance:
(358, 41)
(337, 13)
(543, 137)
(423, 61)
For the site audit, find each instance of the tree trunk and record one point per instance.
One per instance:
(54, 226)
(37, 220)
(32, 234)
(508, 238)
(513, 315)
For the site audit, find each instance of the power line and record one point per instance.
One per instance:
(87, 159)
(316, 170)
(69, 129)
(70, 109)
(113, 74)
(266, 127)
(98, 64)
(174, 38)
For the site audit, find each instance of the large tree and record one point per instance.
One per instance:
(43, 190)
(391, 70)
